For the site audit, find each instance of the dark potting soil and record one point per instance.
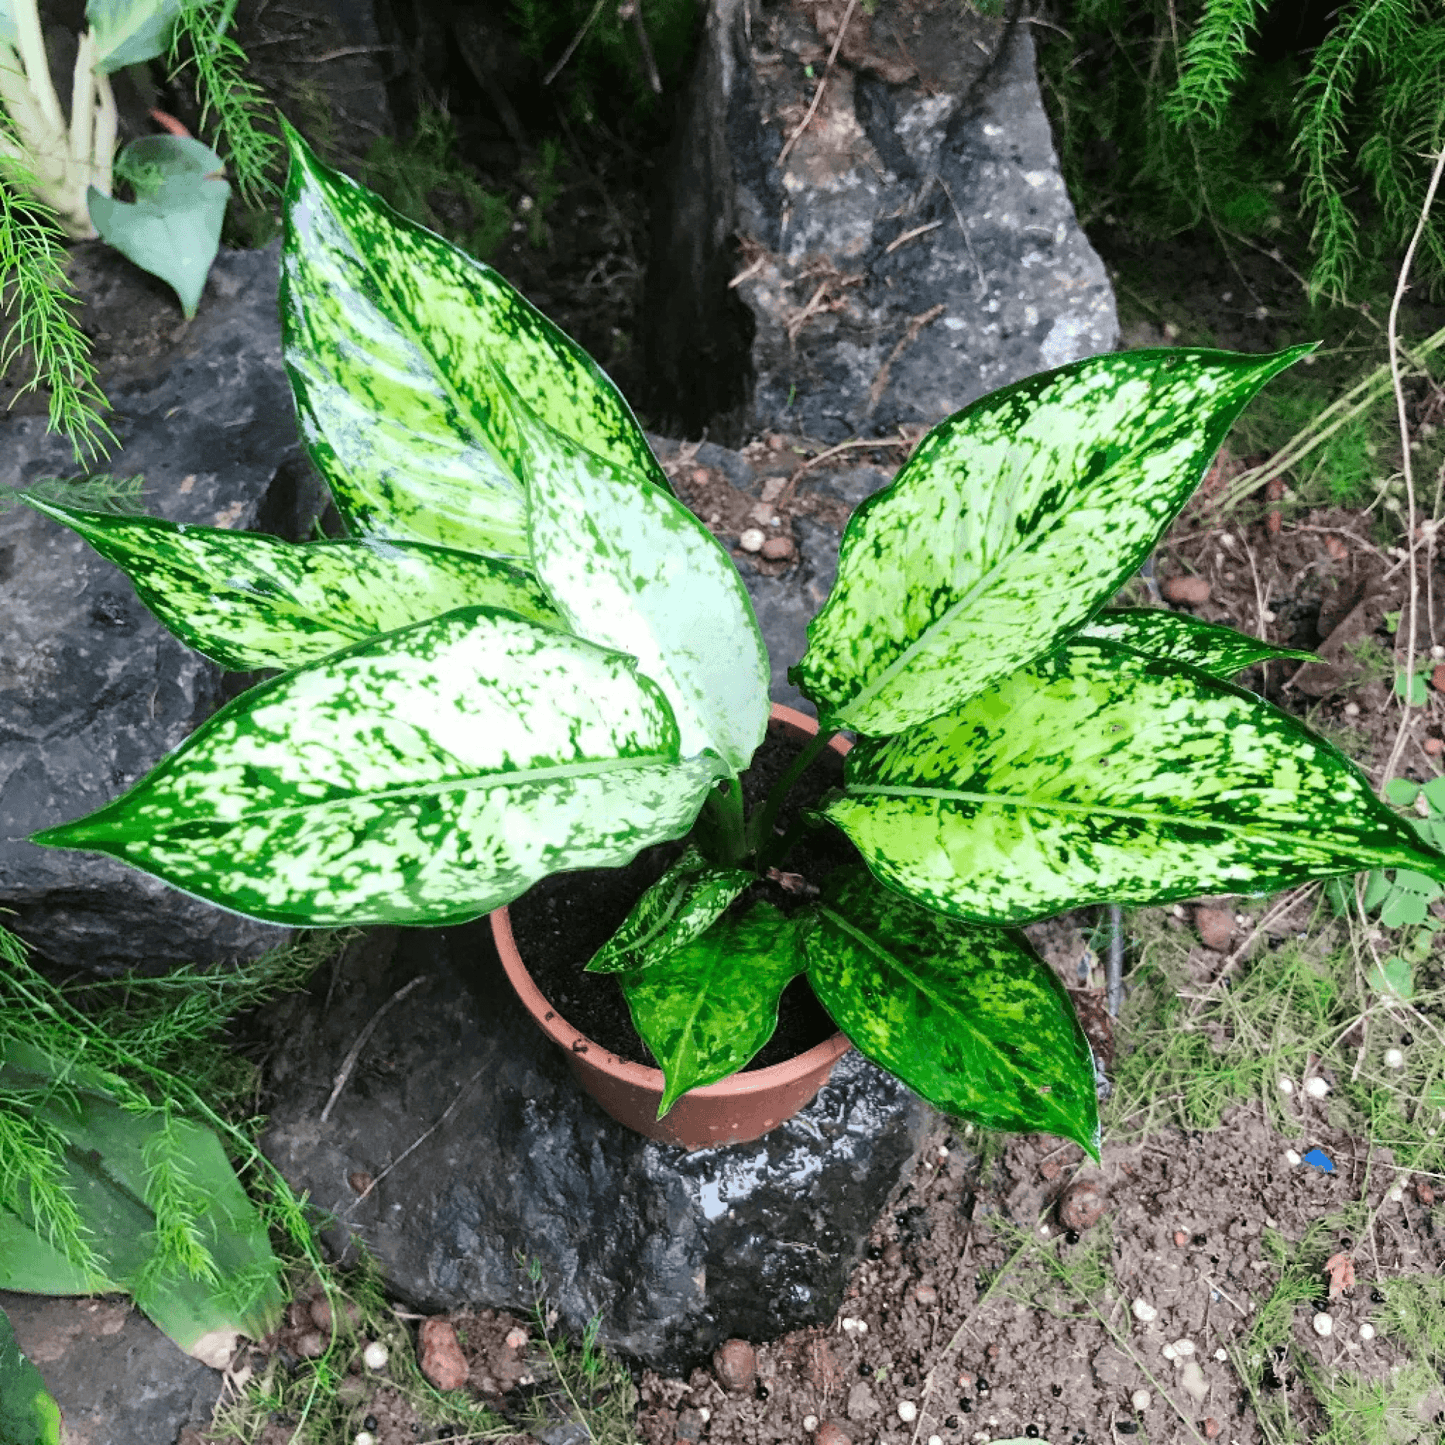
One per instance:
(561, 922)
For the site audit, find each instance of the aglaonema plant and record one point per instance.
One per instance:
(527, 657)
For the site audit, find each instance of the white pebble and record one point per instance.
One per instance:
(1394, 1059)
(935, 1440)
(1169, 1352)
(907, 1411)
(1286, 1084)
(1396, 1194)
(1316, 1087)
(1183, 1347)
(1367, 1331)
(1140, 1400)
(1221, 1355)
(365, 1437)
(374, 1356)
(704, 1414)
(1144, 1311)
(855, 1327)
(810, 1423)
(1352, 709)
(1291, 1156)
(943, 1151)
(752, 540)
(1192, 1381)
(1323, 1324)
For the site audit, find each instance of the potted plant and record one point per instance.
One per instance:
(528, 657)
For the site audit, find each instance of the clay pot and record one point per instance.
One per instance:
(739, 1109)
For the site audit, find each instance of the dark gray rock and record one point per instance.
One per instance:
(117, 1379)
(93, 690)
(677, 1251)
(915, 250)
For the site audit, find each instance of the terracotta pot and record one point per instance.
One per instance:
(739, 1109)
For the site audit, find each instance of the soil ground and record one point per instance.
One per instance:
(987, 1309)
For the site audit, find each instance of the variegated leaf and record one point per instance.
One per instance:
(706, 1009)
(1176, 637)
(1014, 521)
(970, 1018)
(425, 776)
(630, 567)
(250, 601)
(396, 343)
(683, 903)
(1098, 775)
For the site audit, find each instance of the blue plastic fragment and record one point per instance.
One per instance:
(1318, 1159)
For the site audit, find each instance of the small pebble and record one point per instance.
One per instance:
(1082, 1204)
(364, 1437)
(1291, 1156)
(1435, 746)
(1144, 1311)
(1352, 709)
(926, 1295)
(1141, 1400)
(1211, 1427)
(1396, 1194)
(855, 1327)
(1367, 1331)
(1191, 590)
(1316, 1087)
(1180, 1238)
(1286, 1084)
(1394, 1059)
(810, 1423)
(1221, 1355)
(907, 1411)
(735, 1363)
(1169, 1352)
(832, 1433)
(935, 1440)
(752, 539)
(442, 1361)
(778, 549)
(1215, 926)
(1192, 1381)
(1323, 1324)
(1183, 1347)
(375, 1356)
(1424, 1192)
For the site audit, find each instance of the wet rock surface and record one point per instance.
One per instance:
(93, 690)
(855, 247)
(677, 1251)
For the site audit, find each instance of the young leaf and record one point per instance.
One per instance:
(970, 1018)
(1014, 521)
(1403, 908)
(250, 601)
(1097, 775)
(1434, 794)
(1393, 976)
(683, 903)
(707, 1008)
(1401, 792)
(426, 776)
(1377, 889)
(630, 567)
(403, 352)
(1411, 687)
(28, 1412)
(1177, 637)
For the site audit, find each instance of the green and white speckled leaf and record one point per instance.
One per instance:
(683, 903)
(1014, 521)
(28, 1412)
(970, 1018)
(1098, 775)
(396, 343)
(630, 567)
(706, 1009)
(1176, 637)
(425, 776)
(249, 601)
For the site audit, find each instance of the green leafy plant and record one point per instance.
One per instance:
(528, 657)
(28, 1412)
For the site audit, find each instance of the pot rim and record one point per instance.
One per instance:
(745, 1081)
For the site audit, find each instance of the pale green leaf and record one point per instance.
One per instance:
(629, 567)
(126, 32)
(1401, 792)
(249, 601)
(1393, 976)
(970, 1018)
(683, 903)
(708, 1007)
(1377, 889)
(1402, 909)
(1097, 775)
(403, 353)
(1177, 637)
(1434, 795)
(427, 776)
(1013, 522)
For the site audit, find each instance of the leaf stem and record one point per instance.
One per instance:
(725, 839)
(760, 830)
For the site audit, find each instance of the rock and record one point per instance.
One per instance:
(1082, 1204)
(1437, 677)
(735, 1363)
(669, 1246)
(1424, 1192)
(832, 1433)
(442, 1361)
(1211, 1427)
(93, 690)
(1216, 927)
(862, 1406)
(778, 549)
(1188, 590)
(1180, 1238)
(915, 249)
(1435, 746)
(926, 1296)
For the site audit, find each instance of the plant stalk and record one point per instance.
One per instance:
(725, 839)
(760, 830)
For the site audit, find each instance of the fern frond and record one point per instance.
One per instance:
(33, 1186)
(179, 1207)
(1210, 66)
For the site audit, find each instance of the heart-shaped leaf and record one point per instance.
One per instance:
(249, 601)
(629, 567)
(970, 1018)
(683, 903)
(126, 32)
(403, 352)
(1013, 522)
(1098, 775)
(1176, 637)
(428, 775)
(708, 1007)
